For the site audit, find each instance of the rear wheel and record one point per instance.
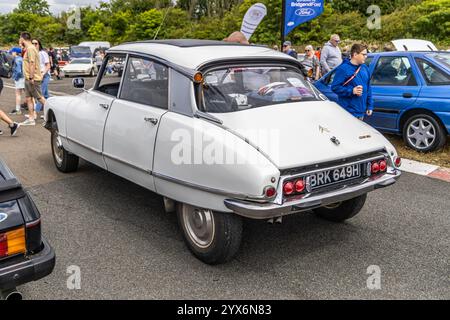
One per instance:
(92, 74)
(423, 133)
(64, 161)
(213, 237)
(342, 211)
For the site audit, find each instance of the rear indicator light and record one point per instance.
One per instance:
(299, 185)
(288, 188)
(270, 192)
(12, 242)
(383, 165)
(375, 167)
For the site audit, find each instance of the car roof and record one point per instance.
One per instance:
(191, 54)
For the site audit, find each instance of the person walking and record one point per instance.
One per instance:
(18, 77)
(287, 48)
(13, 126)
(331, 56)
(352, 84)
(45, 67)
(33, 77)
(311, 64)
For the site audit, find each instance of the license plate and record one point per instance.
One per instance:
(329, 177)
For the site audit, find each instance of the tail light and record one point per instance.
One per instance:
(288, 188)
(12, 242)
(383, 165)
(299, 185)
(397, 162)
(375, 167)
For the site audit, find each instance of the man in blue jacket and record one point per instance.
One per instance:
(352, 83)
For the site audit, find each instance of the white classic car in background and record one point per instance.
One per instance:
(223, 132)
(80, 67)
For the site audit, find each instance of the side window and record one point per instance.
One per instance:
(432, 74)
(368, 61)
(146, 82)
(393, 71)
(109, 81)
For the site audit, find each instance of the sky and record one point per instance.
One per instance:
(56, 6)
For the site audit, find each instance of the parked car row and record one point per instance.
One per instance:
(411, 92)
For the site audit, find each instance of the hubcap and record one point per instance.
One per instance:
(421, 133)
(57, 147)
(199, 225)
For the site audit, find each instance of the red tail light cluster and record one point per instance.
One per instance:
(379, 166)
(270, 192)
(294, 187)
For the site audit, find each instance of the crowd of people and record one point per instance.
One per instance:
(32, 70)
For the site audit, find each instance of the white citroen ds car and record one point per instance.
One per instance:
(222, 132)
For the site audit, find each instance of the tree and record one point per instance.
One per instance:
(39, 7)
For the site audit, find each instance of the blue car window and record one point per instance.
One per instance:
(433, 75)
(393, 71)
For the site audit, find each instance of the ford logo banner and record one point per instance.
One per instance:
(3, 216)
(305, 12)
(297, 12)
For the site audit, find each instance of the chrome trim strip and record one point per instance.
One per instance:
(273, 210)
(127, 163)
(235, 195)
(82, 145)
(207, 116)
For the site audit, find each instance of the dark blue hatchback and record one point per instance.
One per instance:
(411, 92)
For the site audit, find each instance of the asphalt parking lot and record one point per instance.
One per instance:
(127, 247)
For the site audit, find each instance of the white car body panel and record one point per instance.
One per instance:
(85, 121)
(245, 178)
(302, 141)
(413, 45)
(129, 141)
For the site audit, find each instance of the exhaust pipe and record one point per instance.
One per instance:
(10, 294)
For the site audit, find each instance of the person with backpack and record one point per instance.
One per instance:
(18, 77)
(352, 84)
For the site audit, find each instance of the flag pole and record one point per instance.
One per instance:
(283, 22)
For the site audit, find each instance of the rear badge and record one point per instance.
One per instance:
(367, 136)
(3, 216)
(335, 141)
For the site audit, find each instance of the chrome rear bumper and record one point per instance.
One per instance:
(310, 201)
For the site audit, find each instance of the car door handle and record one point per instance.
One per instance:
(407, 95)
(151, 120)
(104, 106)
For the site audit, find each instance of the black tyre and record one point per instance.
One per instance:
(342, 211)
(64, 161)
(213, 237)
(424, 133)
(92, 74)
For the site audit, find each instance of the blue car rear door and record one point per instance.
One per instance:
(395, 87)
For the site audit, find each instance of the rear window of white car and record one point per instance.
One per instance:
(240, 88)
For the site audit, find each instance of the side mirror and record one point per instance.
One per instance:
(78, 83)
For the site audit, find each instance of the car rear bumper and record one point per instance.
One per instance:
(255, 210)
(31, 268)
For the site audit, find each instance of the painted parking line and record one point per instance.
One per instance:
(425, 169)
(55, 93)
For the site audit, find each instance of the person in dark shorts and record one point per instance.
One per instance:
(33, 77)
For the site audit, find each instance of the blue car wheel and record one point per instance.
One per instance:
(423, 133)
